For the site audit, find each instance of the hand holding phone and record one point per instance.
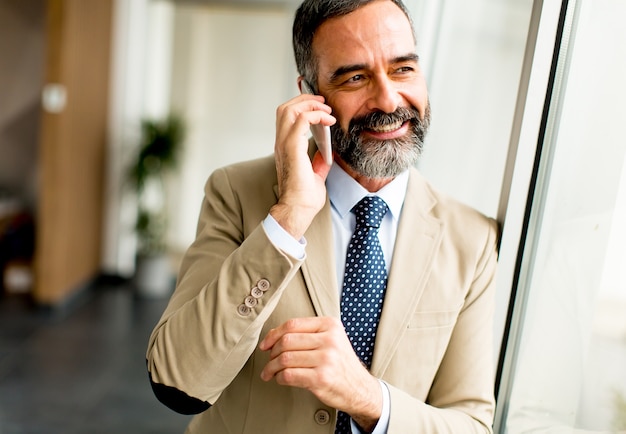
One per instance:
(321, 133)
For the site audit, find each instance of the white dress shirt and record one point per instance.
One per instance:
(345, 192)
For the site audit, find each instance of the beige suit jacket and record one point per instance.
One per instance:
(434, 342)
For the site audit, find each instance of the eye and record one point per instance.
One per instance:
(404, 69)
(355, 78)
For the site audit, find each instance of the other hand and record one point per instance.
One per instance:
(316, 354)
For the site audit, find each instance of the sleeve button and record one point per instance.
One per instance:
(243, 310)
(256, 292)
(250, 301)
(263, 285)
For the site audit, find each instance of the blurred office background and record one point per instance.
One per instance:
(526, 98)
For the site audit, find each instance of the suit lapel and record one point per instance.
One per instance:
(319, 270)
(419, 236)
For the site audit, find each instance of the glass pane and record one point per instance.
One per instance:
(472, 53)
(570, 371)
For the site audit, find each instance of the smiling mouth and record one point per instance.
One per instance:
(387, 128)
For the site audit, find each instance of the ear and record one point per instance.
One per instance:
(299, 82)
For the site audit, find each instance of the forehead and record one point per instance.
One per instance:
(375, 31)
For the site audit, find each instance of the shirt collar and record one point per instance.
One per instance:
(344, 192)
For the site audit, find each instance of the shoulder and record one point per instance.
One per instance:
(241, 192)
(245, 181)
(460, 221)
(257, 171)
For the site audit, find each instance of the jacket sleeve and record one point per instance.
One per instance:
(461, 398)
(207, 333)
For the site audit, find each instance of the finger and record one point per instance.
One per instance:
(297, 342)
(289, 111)
(296, 126)
(290, 360)
(290, 326)
(305, 109)
(295, 377)
(293, 325)
(307, 102)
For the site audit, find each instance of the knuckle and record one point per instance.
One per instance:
(337, 323)
(286, 341)
(281, 378)
(285, 359)
(328, 358)
(324, 377)
(337, 339)
(291, 324)
(286, 377)
(272, 333)
(280, 109)
(333, 323)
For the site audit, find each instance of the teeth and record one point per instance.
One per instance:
(388, 128)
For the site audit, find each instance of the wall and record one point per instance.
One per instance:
(232, 68)
(21, 77)
(72, 148)
(140, 81)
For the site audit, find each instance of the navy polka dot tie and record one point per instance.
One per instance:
(364, 285)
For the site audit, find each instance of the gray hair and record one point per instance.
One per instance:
(310, 16)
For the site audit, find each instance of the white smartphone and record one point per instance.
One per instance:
(321, 133)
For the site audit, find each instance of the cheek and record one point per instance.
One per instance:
(345, 124)
(418, 98)
(345, 107)
(343, 118)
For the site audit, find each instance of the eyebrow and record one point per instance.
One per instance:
(346, 69)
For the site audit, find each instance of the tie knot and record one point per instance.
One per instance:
(370, 211)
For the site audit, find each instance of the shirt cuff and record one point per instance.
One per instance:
(283, 240)
(383, 423)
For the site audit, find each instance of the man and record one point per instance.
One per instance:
(252, 339)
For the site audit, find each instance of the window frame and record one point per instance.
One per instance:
(543, 78)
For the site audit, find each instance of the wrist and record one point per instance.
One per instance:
(293, 219)
(371, 406)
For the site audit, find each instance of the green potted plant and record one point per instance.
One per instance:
(158, 156)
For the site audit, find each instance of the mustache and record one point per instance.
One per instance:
(380, 119)
(374, 158)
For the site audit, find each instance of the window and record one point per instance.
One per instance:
(472, 54)
(564, 369)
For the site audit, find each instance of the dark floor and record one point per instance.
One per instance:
(81, 370)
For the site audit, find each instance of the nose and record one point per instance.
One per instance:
(384, 95)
